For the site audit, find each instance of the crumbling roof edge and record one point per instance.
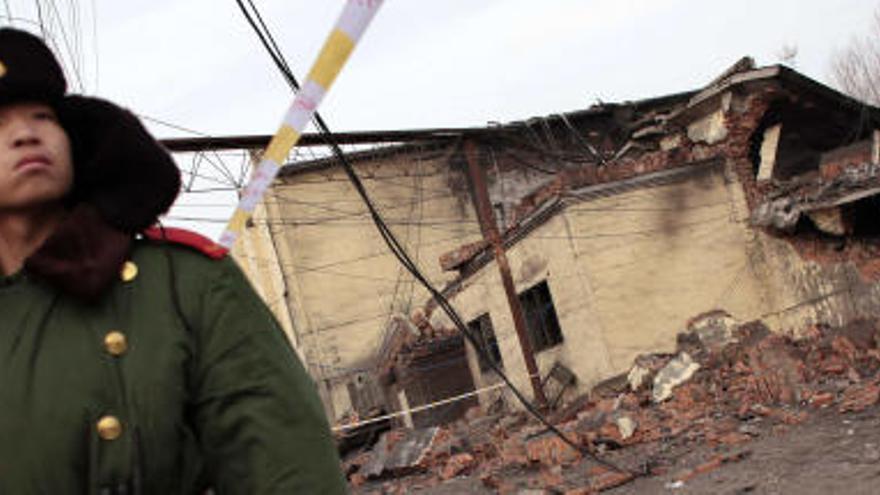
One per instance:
(607, 108)
(783, 208)
(292, 169)
(760, 73)
(260, 141)
(792, 76)
(786, 76)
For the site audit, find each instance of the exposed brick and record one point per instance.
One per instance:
(822, 399)
(513, 452)
(733, 438)
(550, 450)
(552, 478)
(859, 397)
(357, 479)
(457, 465)
(703, 468)
(711, 465)
(581, 491)
(602, 479)
(781, 415)
(454, 259)
(834, 365)
(490, 480)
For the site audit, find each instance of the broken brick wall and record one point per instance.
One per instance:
(814, 276)
(811, 282)
(628, 264)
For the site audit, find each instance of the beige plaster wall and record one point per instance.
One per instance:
(343, 282)
(626, 271)
(256, 253)
(626, 267)
(805, 292)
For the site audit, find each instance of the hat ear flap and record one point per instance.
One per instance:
(118, 166)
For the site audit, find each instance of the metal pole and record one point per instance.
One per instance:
(490, 230)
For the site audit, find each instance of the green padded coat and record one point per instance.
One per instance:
(144, 395)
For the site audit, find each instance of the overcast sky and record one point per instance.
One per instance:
(195, 63)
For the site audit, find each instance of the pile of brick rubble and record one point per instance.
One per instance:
(724, 380)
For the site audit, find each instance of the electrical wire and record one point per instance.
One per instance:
(400, 253)
(95, 44)
(40, 18)
(72, 50)
(8, 10)
(172, 126)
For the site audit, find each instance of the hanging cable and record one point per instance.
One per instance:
(40, 18)
(400, 252)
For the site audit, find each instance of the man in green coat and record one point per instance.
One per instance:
(133, 359)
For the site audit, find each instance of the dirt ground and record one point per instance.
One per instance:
(829, 454)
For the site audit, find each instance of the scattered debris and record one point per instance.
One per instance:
(678, 371)
(400, 452)
(364, 436)
(713, 330)
(638, 377)
(728, 385)
(626, 426)
(711, 465)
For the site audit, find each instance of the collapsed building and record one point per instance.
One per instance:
(756, 195)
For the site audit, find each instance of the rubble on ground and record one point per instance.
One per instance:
(726, 385)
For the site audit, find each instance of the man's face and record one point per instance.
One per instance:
(35, 160)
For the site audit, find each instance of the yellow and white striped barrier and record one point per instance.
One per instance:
(348, 30)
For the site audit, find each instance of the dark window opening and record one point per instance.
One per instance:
(540, 314)
(857, 220)
(811, 135)
(865, 213)
(481, 328)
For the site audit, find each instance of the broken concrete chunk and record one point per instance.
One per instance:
(714, 329)
(637, 377)
(626, 425)
(670, 142)
(830, 220)
(456, 465)
(769, 146)
(710, 129)
(400, 451)
(409, 452)
(644, 368)
(678, 371)
(780, 214)
(376, 464)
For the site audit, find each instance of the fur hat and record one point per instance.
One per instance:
(123, 178)
(118, 167)
(28, 70)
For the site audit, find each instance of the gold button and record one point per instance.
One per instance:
(115, 343)
(109, 428)
(129, 271)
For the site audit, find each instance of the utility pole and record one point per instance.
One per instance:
(490, 230)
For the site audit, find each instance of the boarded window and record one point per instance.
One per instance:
(543, 326)
(481, 328)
